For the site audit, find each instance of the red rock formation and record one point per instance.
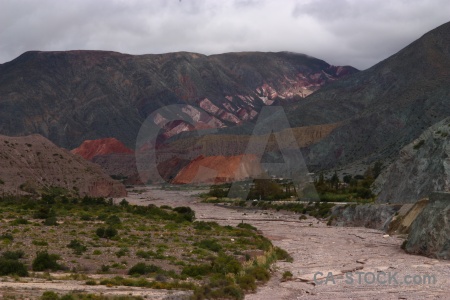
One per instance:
(90, 148)
(214, 169)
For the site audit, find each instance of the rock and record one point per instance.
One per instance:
(213, 169)
(401, 222)
(91, 148)
(368, 215)
(423, 167)
(430, 232)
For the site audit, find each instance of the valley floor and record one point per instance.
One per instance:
(317, 247)
(314, 246)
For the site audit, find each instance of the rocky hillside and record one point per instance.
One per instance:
(381, 109)
(32, 163)
(91, 148)
(73, 96)
(423, 167)
(367, 117)
(217, 169)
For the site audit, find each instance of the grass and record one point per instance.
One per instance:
(157, 247)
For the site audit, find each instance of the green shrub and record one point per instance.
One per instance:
(196, 270)
(49, 296)
(287, 275)
(202, 225)
(19, 221)
(45, 261)
(212, 245)
(44, 212)
(12, 267)
(259, 273)
(186, 213)
(15, 255)
(143, 269)
(85, 217)
(247, 282)
(282, 254)
(77, 246)
(39, 243)
(247, 226)
(113, 221)
(51, 221)
(224, 264)
(122, 252)
(7, 237)
(106, 233)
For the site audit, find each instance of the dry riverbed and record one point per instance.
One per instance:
(316, 247)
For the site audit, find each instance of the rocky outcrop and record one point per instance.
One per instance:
(367, 215)
(217, 169)
(430, 232)
(91, 148)
(402, 220)
(30, 164)
(422, 168)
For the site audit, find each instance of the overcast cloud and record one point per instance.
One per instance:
(342, 32)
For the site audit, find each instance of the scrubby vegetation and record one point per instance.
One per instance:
(156, 247)
(313, 200)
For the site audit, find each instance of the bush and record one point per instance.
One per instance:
(77, 246)
(12, 267)
(260, 273)
(122, 252)
(143, 269)
(113, 221)
(45, 261)
(49, 296)
(51, 221)
(282, 254)
(15, 255)
(287, 275)
(7, 237)
(186, 212)
(224, 264)
(106, 233)
(196, 270)
(43, 213)
(247, 226)
(210, 245)
(19, 221)
(247, 282)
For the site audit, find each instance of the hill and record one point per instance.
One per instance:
(73, 96)
(31, 164)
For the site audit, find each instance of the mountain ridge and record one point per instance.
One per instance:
(78, 95)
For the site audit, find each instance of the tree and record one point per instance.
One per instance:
(334, 181)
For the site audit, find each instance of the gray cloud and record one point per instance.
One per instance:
(354, 32)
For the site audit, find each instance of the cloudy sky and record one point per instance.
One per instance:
(342, 32)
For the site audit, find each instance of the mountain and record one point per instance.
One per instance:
(91, 148)
(380, 110)
(73, 96)
(30, 164)
(373, 114)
